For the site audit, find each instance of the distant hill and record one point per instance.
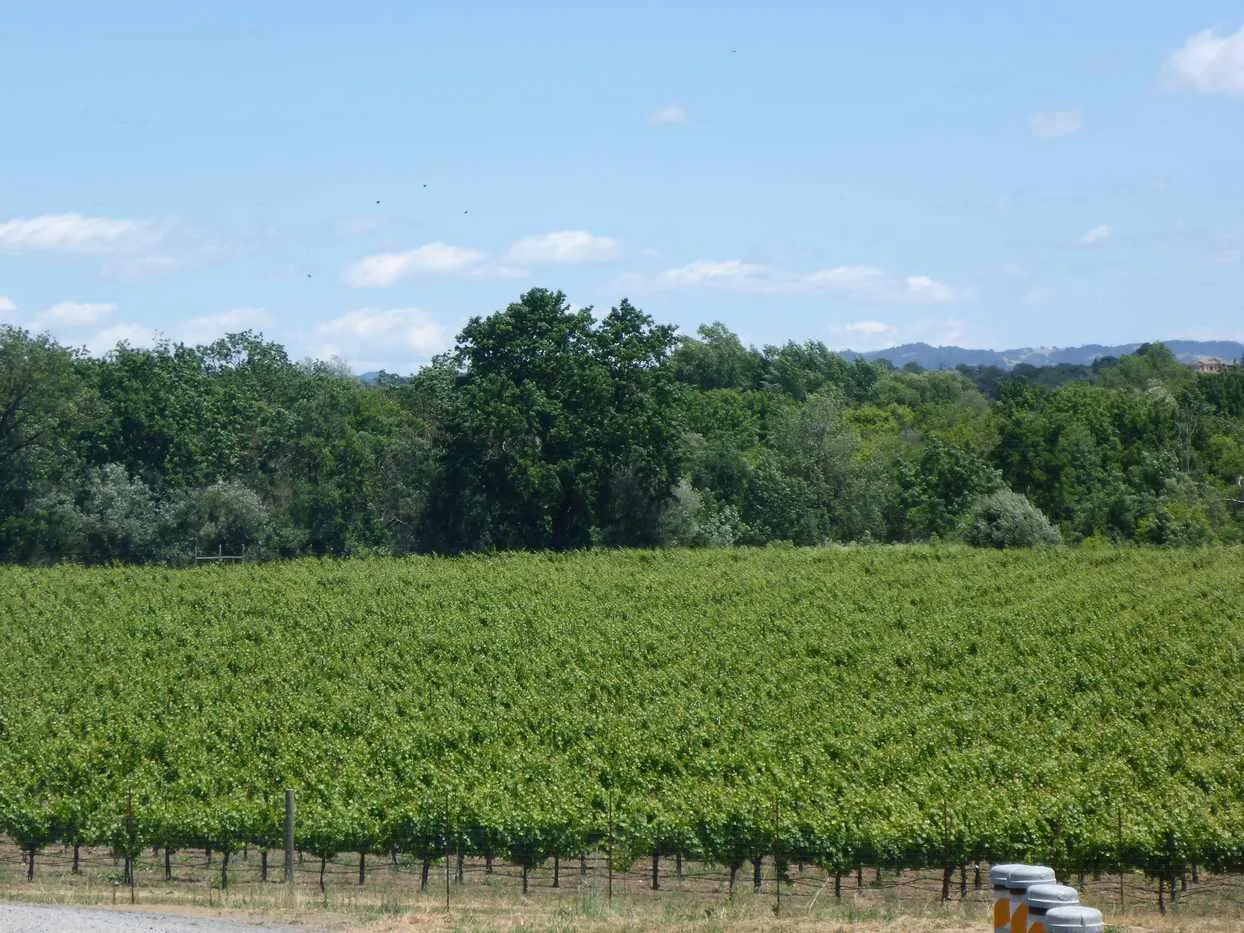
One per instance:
(930, 357)
(373, 376)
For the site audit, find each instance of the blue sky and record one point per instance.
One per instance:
(859, 174)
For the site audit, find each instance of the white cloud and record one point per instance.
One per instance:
(867, 328)
(870, 283)
(863, 336)
(1055, 123)
(368, 331)
(563, 246)
(850, 279)
(209, 327)
(8, 307)
(72, 233)
(921, 289)
(858, 282)
(730, 272)
(1228, 257)
(75, 313)
(669, 115)
(384, 269)
(103, 341)
(1210, 63)
(1096, 235)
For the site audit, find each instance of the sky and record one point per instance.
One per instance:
(358, 180)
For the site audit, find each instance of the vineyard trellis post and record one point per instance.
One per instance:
(947, 865)
(131, 843)
(1118, 810)
(777, 859)
(289, 836)
(448, 831)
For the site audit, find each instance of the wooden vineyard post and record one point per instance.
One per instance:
(1119, 815)
(289, 837)
(131, 843)
(448, 831)
(609, 849)
(777, 859)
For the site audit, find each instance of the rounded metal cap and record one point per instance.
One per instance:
(998, 874)
(1074, 920)
(1048, 896)
(1023, 877)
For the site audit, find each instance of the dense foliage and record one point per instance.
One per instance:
(900, 706)
(548, 427)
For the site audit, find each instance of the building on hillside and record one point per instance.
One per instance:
(1211, 364)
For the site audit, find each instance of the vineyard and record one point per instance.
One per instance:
(899, 707)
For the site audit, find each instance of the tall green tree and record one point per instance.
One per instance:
(562, 428)
(44, 402)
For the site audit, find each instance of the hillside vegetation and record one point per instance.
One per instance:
(901, 706)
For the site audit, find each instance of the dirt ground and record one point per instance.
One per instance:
(522, 917)
(696, 899)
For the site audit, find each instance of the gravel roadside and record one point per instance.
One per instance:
(43, 918)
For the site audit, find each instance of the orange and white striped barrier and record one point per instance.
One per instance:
(1018, 881)
(998, 875)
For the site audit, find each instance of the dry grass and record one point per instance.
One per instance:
(699, 901)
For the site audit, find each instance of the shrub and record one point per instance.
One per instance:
(225, 516)
(1005, 519)
(696, 519)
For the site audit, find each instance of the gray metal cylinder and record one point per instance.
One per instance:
(1042, 898)
(1074, 920)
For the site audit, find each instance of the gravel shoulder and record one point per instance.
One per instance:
(49, 918)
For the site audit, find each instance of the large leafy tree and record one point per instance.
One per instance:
(815, 483)
(562, 428)
(715, 359)
(43, 403)
(938, 487)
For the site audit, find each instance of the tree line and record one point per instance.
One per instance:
(549, 427)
